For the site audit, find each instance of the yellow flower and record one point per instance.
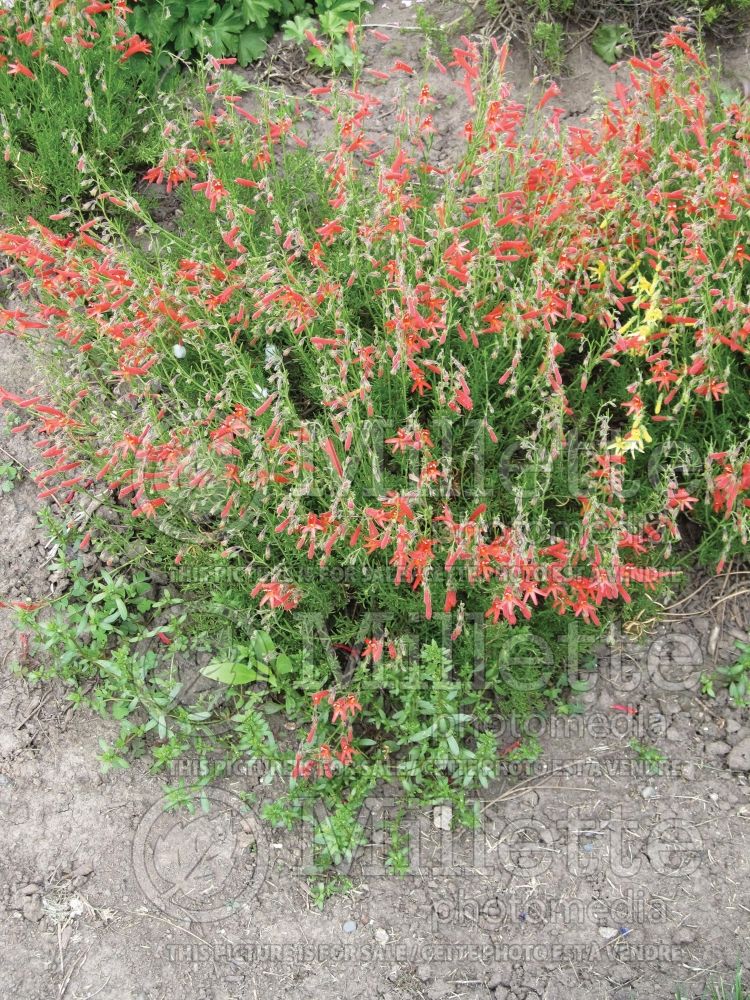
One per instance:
(639, 434)
(619, 446)
(650, 319)
(635, 440)
(626, 274)
(653, 315)
(650, 323)
(648, 287)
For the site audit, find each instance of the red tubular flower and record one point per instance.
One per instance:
(133, 46)
(18, 68)
(505, 606)
(345, 708)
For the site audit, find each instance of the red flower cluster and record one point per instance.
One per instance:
(545, 289)
(319, 760)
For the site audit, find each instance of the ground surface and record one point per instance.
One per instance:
(591, 877)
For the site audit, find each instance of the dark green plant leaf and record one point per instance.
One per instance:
(252, 45)
(230, 672)
(257, 11)
(184, 36)
(283, 665)
(200, 10)
(222, 33)
(606, 40)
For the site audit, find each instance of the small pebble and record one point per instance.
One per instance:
(739, 758)
(670, 706)
(82, 870)
(442, 817)
(499, 979)
(381, 936)
(683, 935)
(33, 910)
(657, 723)
(350, 926)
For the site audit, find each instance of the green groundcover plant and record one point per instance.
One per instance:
(387, 424)
(74, 84)
(241, 29)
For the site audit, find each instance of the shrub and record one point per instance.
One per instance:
(72, 86)
(392, 423)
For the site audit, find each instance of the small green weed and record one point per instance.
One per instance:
(322, 891)
(735, 677)
(723, 991)
(8, 477)
(649, 755)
